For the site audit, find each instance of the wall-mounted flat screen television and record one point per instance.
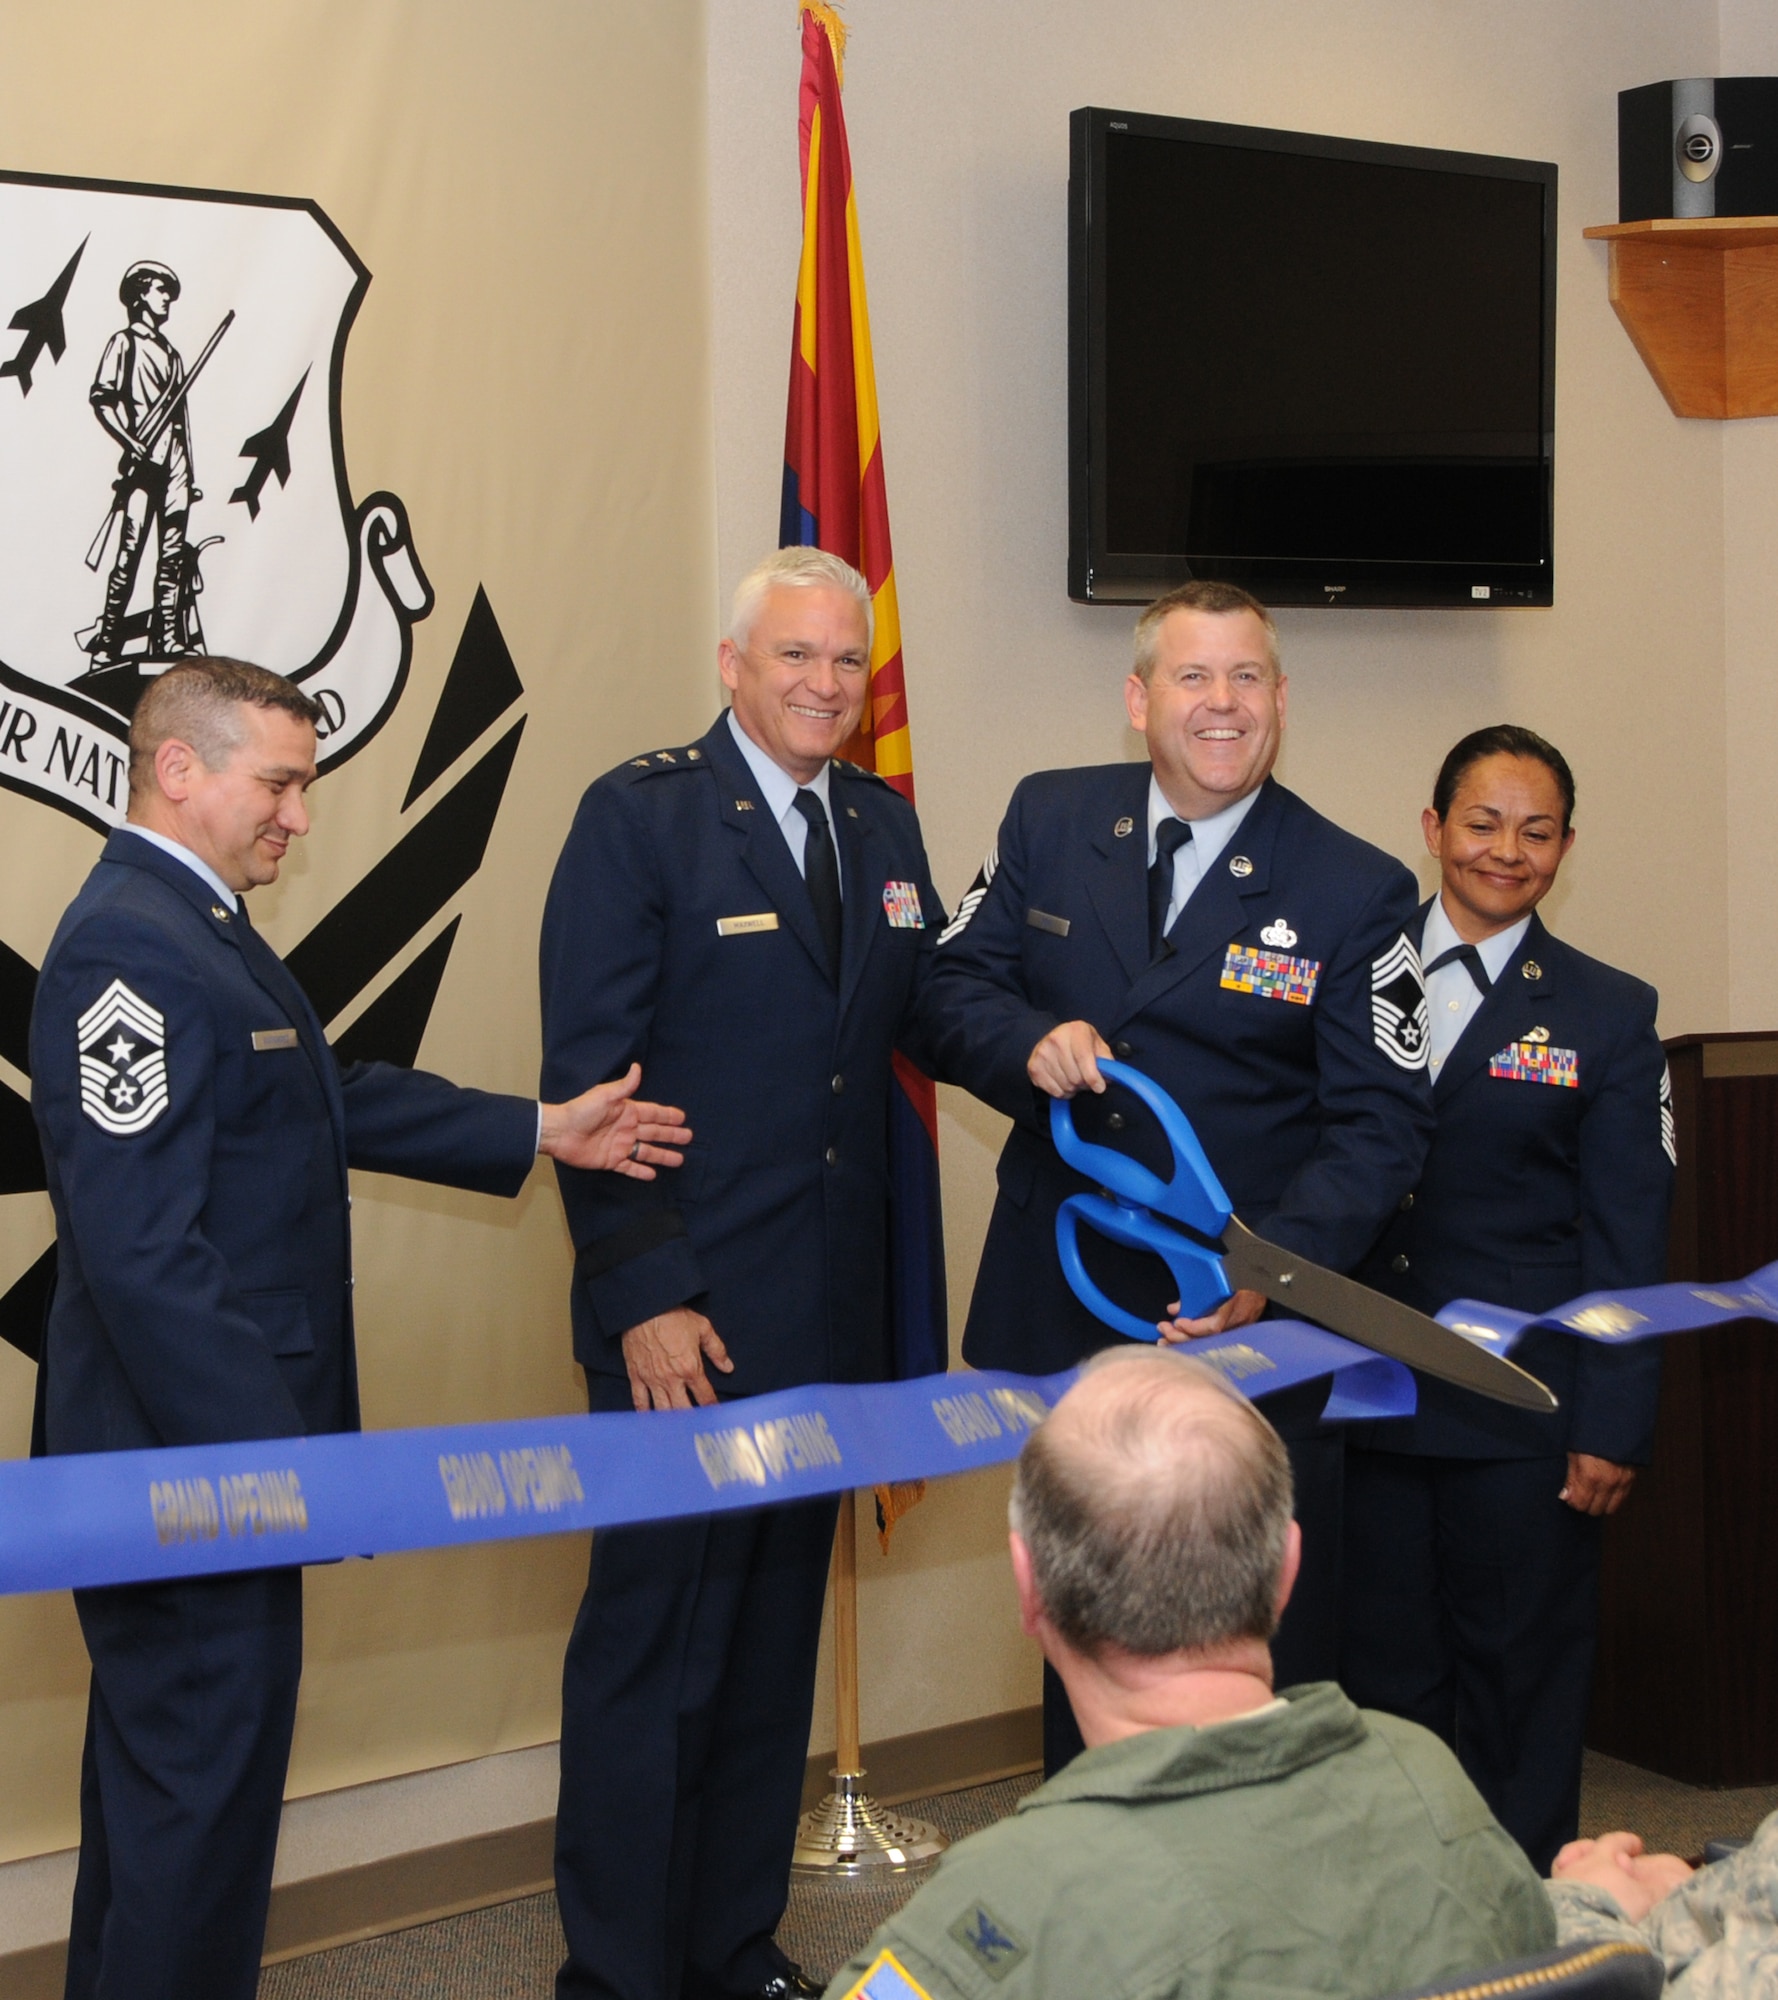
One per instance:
(1320, 368)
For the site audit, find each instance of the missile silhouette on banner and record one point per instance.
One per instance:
(269, 450)
(41, 324)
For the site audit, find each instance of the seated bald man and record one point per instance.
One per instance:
(1215, 1839)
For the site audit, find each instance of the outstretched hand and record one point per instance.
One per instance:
(609, 1128)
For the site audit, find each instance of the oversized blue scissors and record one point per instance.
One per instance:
(1140, 1209)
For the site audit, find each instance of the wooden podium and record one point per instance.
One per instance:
(1688, 1628)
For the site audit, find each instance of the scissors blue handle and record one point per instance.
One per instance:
(1191, 1194)
(1197, 1270)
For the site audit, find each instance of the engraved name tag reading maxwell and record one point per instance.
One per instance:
(761, 920)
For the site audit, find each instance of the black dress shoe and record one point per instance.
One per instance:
(790, 1984)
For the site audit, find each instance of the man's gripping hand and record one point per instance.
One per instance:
(609, 1127)
(1241, 1308)
(666, 1355)
(1066, 1061)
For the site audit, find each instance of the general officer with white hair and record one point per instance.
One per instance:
(751, 917)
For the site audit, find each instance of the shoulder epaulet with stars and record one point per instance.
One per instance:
(656, 761)
(847, 769)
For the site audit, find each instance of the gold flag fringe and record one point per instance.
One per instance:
(828, 15)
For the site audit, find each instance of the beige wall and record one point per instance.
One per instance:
(958, 123)
(529, 373)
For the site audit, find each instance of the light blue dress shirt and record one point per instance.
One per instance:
(1192, 860)
(779, 790)
(168, 845)
(1452, 996)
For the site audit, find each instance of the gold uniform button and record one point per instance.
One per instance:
(1407, 1202)
(839, 1084)
(833, 1156)
(1399, 1262)
(1115, 1121)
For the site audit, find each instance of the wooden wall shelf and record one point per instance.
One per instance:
(1700, 302)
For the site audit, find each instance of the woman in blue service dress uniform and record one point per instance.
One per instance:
(1472, 1530)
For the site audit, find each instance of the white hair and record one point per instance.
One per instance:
(796, 569)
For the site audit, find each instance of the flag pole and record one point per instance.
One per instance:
(848, 1834)
(834, 498)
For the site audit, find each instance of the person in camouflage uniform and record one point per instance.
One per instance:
(1716, 1928)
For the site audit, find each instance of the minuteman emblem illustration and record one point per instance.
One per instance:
(173, 476)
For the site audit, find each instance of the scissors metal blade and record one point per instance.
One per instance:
(1343, 1305)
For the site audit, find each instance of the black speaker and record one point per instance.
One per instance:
(1699, 146)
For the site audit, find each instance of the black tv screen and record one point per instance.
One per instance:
(1321, 368)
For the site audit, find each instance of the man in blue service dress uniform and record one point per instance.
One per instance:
(1473, 1530)
(197, 1133)
(1193, 918)
(751, 918)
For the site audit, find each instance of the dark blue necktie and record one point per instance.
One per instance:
(821, 870)
(1467, 956)
(1169, 837)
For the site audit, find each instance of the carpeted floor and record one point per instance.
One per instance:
(511, 1952)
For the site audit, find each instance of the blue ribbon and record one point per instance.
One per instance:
(1643, 1312)
(200, 1510)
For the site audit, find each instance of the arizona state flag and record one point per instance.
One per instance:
(834, 499)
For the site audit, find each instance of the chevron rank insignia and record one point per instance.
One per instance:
(1537, 1062)
(123, 1062)
(1400, 1025)
(1273, 975)
(886, 1978)
(901, 904)
(972, 897)
(1669, 1133)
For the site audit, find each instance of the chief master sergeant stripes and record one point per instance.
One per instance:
(753, 920)
(197, 1133)
(1262, 977)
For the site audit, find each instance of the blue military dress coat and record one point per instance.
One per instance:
(1287, 1018)
(197, 1132)
(679, 933)
(1550, 1174)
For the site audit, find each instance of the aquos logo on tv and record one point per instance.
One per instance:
(172, 475)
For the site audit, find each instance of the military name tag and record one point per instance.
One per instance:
(274, 1038)
(1272, 975)
(1537, 1062)
(1041, 920)
(901, 905)
(762, 920)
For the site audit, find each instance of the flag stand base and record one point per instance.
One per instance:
(849, 1834)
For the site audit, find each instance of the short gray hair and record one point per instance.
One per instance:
(1155, 1502)
(796, 569)
(1214, 600)
(199, 702)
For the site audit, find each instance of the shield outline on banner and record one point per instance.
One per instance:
(380, 517)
